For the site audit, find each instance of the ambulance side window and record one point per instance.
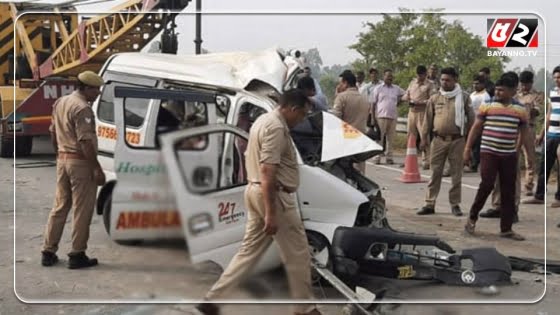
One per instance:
(217, 167)
(135, 112)
(248, 114)
(175, 115)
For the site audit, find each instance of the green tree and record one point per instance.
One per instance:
(382, 45)
(539, 81)
(328, 85)
(361, 65)
(421, 40)
(329, 79)
(467, 53)
(335, 70)
(403, 41)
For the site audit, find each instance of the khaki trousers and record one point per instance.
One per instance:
(75, 189)
(441, 151)
(496, 193)
(530, 161)
(290, 238)
(415, 124)
(388, 128)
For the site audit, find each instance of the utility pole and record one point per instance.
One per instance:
(198, 39)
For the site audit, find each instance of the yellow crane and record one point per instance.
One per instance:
(57, 45)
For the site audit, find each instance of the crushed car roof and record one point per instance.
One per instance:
(233, 70)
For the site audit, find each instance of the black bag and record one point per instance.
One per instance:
(373, 131)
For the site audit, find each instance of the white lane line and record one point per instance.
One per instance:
(423, 176)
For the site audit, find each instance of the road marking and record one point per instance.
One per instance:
(423, 176)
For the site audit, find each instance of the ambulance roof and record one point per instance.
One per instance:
(233, 70)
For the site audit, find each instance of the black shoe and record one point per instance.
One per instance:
(80, 260)
(48, 258)
(208, 309)
(456, 210)
(490, 213)
(425, 211)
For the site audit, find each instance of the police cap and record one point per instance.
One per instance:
(90, 78)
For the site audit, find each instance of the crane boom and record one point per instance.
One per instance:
(50, 46)
(129, 28)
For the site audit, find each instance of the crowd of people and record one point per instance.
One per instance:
(484, 131)
(487, 127)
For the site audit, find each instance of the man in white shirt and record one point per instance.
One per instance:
(367, 88)
(478, 97)
(360, 77)
(385, 99)
(479, 94)
(433, 76)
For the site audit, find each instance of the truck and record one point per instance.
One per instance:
(50, 50)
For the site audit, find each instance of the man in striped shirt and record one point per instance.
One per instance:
(552, 145)
(501, 123)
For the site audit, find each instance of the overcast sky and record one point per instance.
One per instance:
(333, 33)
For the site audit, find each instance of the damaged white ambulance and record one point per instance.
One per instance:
(177, 169)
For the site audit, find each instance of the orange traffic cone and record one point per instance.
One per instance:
(411, 174)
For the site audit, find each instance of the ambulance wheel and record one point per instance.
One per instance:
(107, 222)
(6, 147)
(24, 146)
(319, 245)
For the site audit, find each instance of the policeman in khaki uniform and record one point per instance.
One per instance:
(433, 76)
(532, 100)
(273, 177)
(449, 115)
(352, 107)
(417, 95)
(77, 171)
(349, 105)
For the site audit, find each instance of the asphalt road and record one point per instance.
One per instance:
(161, 271)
